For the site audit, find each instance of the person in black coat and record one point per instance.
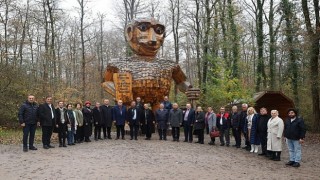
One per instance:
(87, 121)
(139, 104)
(262, 130)
(199, 125)
(97, 120)
(134, 116)
(106, 115)
(223, 125)
(235, 124)
(161, 116)
(62, 123)
(188, 121)
(47, 121)
(28, 120)
(147, 121)
(243, 122)
(294, 131)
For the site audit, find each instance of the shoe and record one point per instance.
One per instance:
(227, 145)
(234, 145)
(296, 164)
(131, 138)
(25, 149)
(252, 148)
(89, 140)
(64, 145)
(136, 139)
(69, 144)
(100, 138)
(262, 154)
(45, 147)
(211, 143)
(50, 146)
(290, 163)
(190, 141)
(60, 145)
(221, 144)
(33, 148)
(237, 146)
(256, 149)
(72, 144)
(109, 138)
(185, 141)
(201, 143)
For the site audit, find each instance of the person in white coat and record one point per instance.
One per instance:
(275, 131)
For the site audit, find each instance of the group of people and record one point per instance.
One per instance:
(75, 124)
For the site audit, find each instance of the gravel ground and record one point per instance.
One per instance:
(154, 159)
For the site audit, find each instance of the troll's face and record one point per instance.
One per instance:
(145, 36)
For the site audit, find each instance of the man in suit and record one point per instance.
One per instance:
(147, 121)
(223, 126)
(96, 111)
(61, 123)
(243, 122)
(188, 121)
(134, 116)
(106, 115)
(175, 120)
(162, 122)
(47, 120)
(139, 103)
(119, 117)
(235, 124)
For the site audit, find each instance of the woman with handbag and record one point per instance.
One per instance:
(211, 120)
(199, 125)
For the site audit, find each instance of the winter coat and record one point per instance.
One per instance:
(130, 115)
(294, 130)
(87, 121)
(235, 120)
(97, 116)
(106, 112)
(162, 118)
(167, 105)
(175, 117)
(199, 122)
(119, 115)
(212, 121)
(79, 117)
(275, 130)
(45, 115)
(262, 126)
(190, 119)
(28, 113)
(254, 138)
(225, 121)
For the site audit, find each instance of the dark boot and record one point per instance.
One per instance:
(272, 155)
(277, 156)
(60, 143)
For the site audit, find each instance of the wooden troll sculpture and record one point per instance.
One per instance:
(143, 75)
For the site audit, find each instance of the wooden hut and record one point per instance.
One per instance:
(270, 100)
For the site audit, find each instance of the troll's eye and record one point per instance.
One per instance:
(143, 27)
(159, 29)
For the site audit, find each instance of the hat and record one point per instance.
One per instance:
(87, 102)
(294, 110)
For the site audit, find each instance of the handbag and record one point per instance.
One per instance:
(214, 133)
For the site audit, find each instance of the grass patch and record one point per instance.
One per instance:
(14, 136)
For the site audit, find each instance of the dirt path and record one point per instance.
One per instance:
(125, 159)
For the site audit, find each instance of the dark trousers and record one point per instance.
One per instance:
(62, 134)
(46, 135)
(200, 133)
(224, 136)
(188, 136)
(175, 133)
(237, 136)
(147, 130)
(97, 131)
(29, 130)
(134, 129)
(245, 134)
(106, 131)
(80, 134)
(162, 134)
(120, 128)
(263, 140)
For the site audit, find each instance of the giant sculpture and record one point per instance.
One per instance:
(143, 74)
